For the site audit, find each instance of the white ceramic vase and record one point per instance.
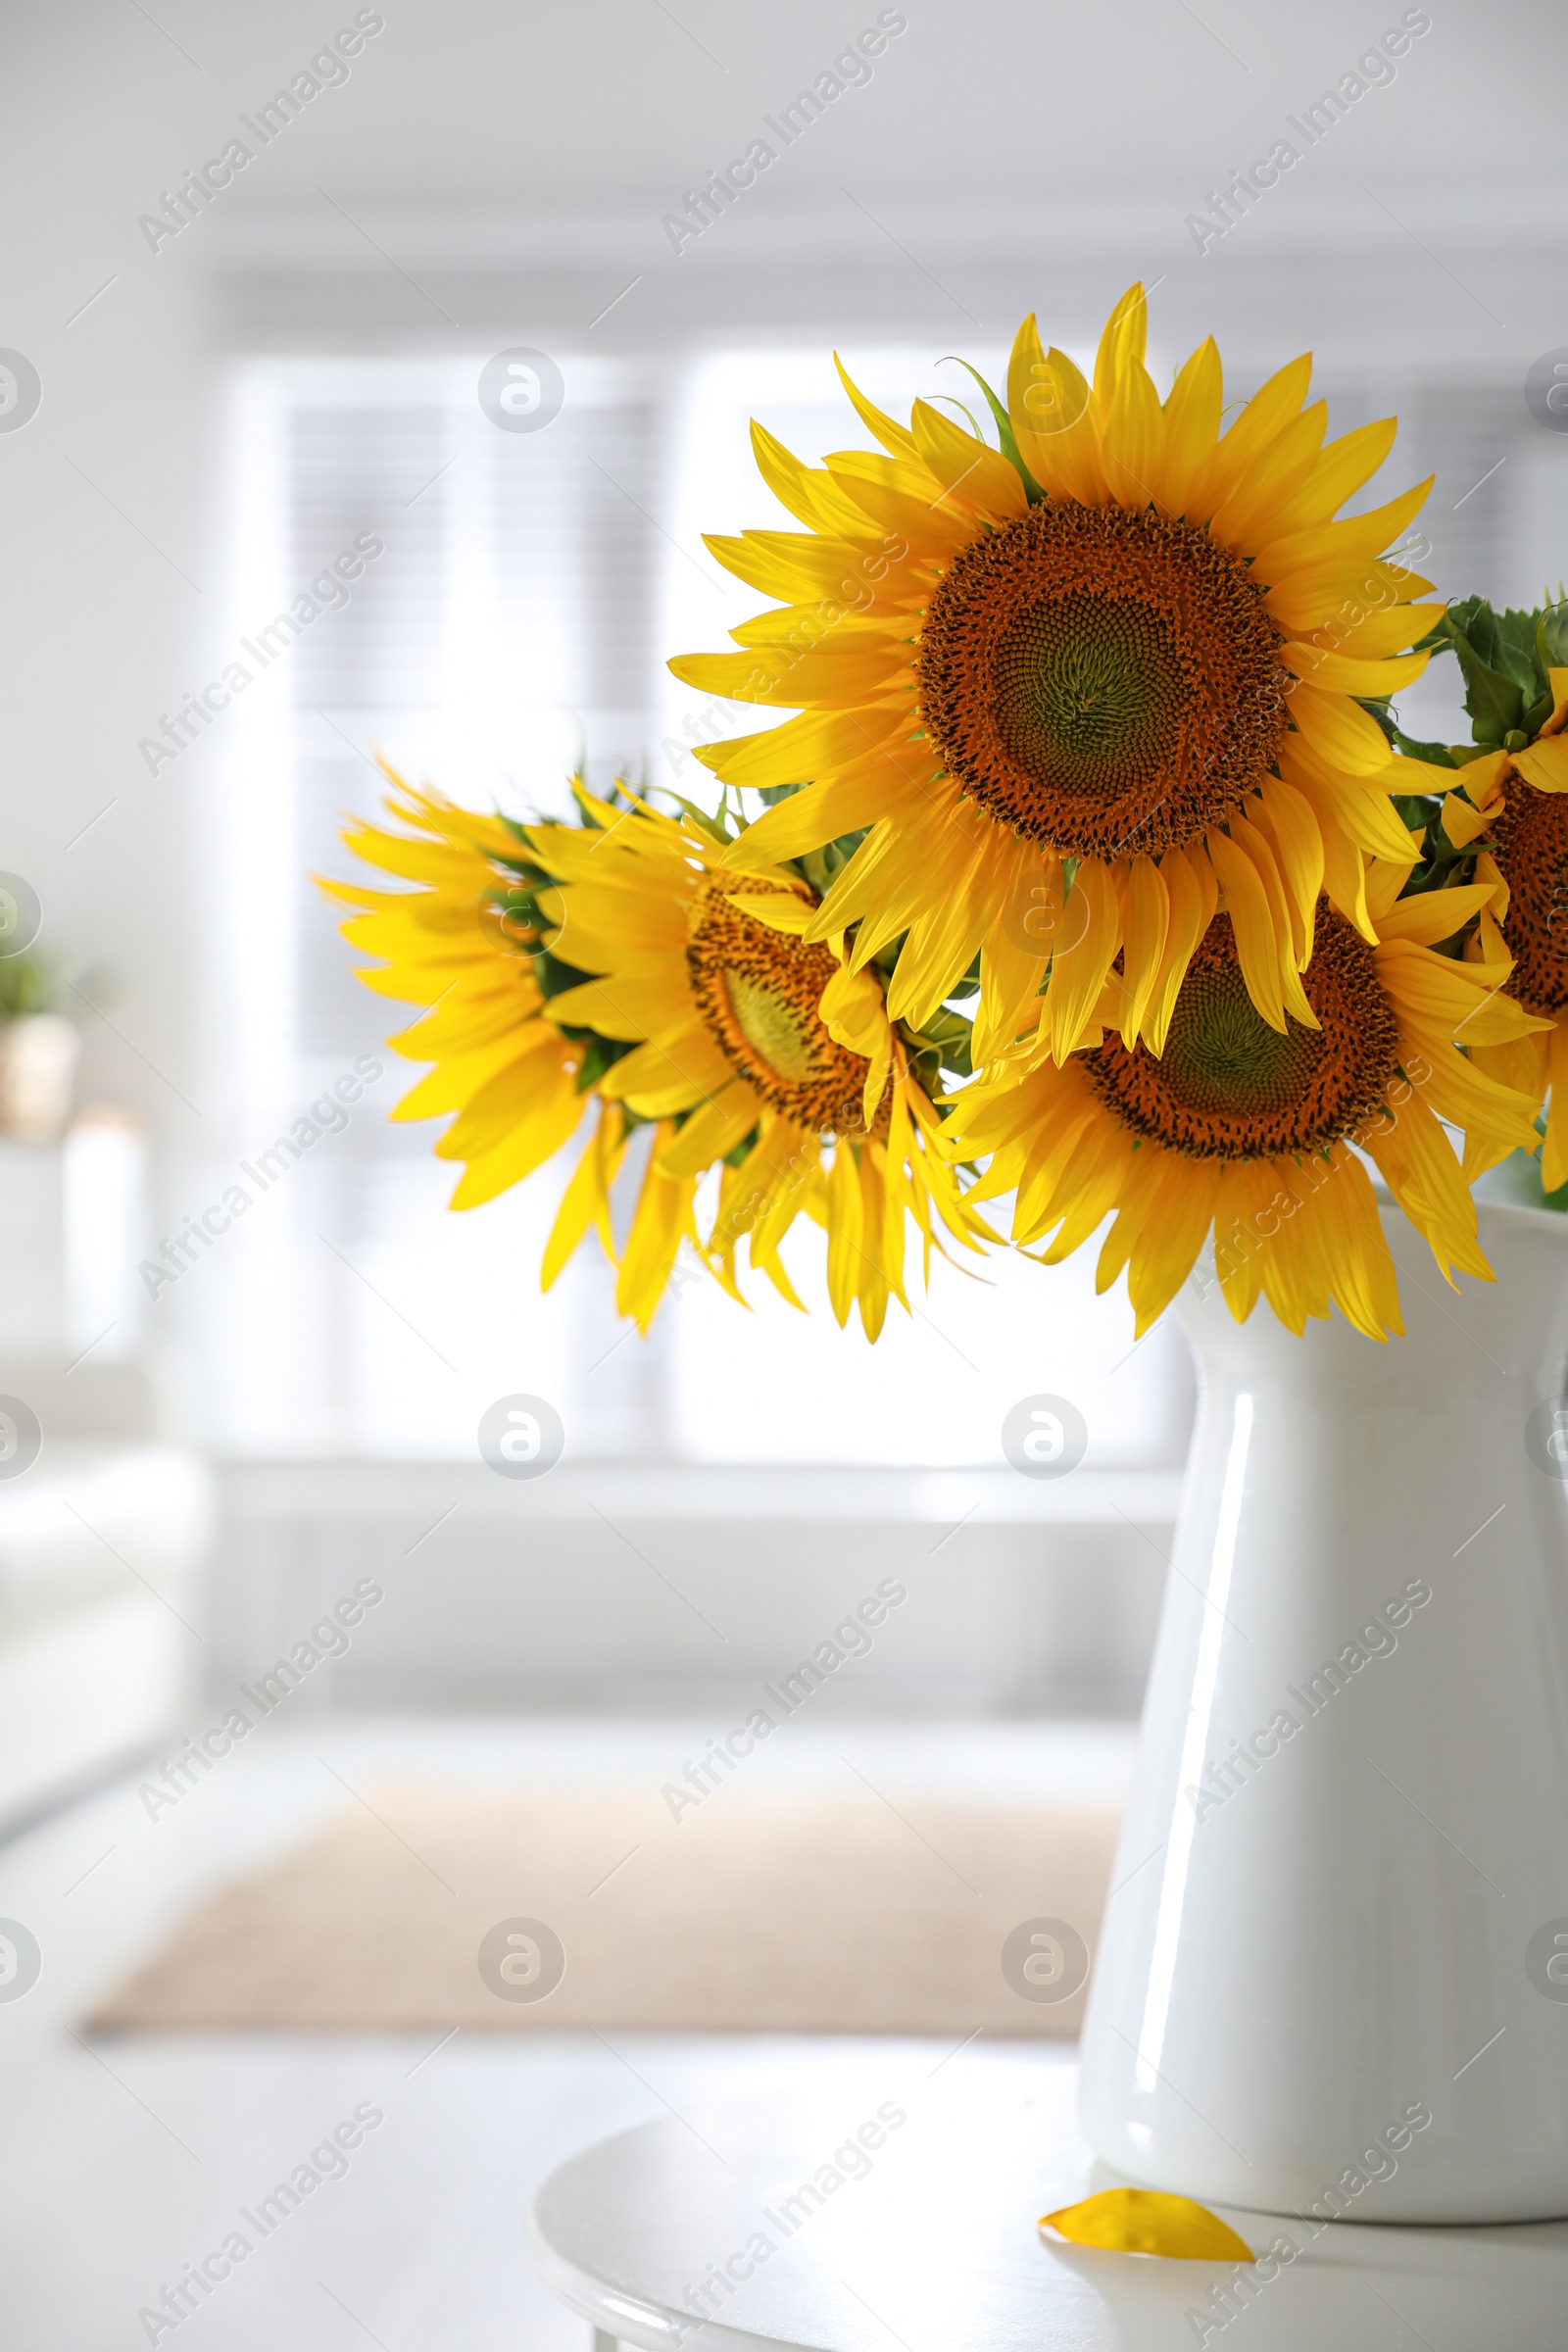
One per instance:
(1341, 1899)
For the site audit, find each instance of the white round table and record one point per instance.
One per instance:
(832, 2226)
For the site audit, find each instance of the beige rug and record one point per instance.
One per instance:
(753, 1913)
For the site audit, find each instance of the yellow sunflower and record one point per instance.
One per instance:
(1253, 1133)
(759, 1052)
(1083, 688)
(1518, 803)
(613, 965)
(453, 945)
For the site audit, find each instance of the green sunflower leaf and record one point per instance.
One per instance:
(1436, 754)
(1495, 700)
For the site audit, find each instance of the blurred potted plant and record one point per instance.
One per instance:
(38, 1052)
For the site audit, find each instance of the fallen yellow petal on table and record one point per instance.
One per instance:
(1146, 2221)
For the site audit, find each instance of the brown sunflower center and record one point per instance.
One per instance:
(1532, 849)
(1103, 681)
(1228, 1087)
(758, 990)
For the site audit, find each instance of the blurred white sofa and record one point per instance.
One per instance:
(104, 1542)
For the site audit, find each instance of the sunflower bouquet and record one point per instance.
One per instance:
(1092, 869)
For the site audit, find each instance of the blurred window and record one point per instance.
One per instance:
(514, 626)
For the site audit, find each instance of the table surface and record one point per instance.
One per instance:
(817, 2224)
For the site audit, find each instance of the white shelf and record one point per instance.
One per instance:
(666, 1586)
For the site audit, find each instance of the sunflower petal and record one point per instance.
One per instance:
(1078, 971)
(1258, 944)
(1048, 405)
(1544, 765)
(1192, 426)
(1148, 2221)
